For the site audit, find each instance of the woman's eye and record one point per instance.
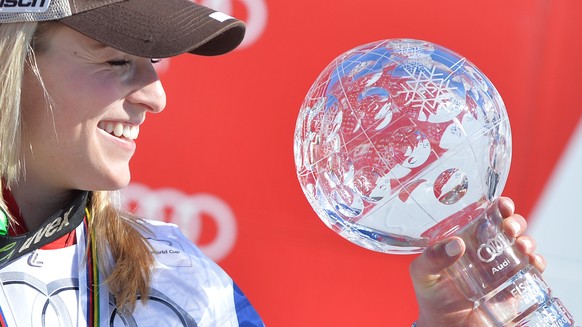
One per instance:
(118, 62)
(155, 60)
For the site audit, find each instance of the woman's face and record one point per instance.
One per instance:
(99, 97)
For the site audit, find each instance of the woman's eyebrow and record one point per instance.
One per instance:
(96, 45)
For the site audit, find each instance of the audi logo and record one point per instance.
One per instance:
(186, 211)
(51, 300)
(488, 251)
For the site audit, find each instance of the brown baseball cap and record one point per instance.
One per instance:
(145, 28)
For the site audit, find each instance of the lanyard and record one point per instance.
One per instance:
(92, 297)
(53, 228)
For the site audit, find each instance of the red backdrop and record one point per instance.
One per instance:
(227, 133)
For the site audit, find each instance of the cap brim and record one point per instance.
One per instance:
(160, 28)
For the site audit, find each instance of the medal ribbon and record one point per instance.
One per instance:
(92, 276)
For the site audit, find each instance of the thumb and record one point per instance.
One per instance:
(428, 266)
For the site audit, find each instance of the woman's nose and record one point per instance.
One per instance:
(148, 91)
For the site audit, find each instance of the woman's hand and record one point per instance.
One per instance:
(439, 301)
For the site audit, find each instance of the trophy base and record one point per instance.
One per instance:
(550, 314)
(525, 300)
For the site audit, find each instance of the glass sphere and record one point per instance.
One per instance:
(400, 143)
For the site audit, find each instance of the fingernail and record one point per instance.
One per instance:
(511, 205)
(527, 244)
(515, 226)
(453, 248)
(539, 261)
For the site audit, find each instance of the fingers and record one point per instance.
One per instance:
(506, 206)
(538, 261)
(514, 226)
(427, 267)
(527, 245)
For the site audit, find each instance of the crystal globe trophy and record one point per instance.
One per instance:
(402, 143)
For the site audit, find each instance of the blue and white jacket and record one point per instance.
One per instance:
(52, 288)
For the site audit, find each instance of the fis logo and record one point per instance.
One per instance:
(18, 6)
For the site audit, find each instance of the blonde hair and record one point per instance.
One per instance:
(14, 46)
(125, 255)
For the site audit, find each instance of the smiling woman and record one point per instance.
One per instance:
(77, 80)
(75, 88)
(90, 92)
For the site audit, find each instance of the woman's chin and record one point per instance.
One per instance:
(114, 183)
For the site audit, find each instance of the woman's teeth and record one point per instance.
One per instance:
(120, 130)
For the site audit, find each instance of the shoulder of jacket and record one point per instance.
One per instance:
(160, 226)
(168, 235)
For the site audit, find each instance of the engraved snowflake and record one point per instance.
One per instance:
(426, 90)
